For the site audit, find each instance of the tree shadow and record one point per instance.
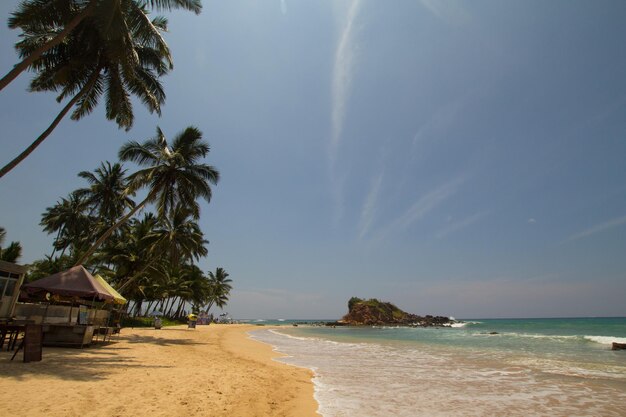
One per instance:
(158, 340)
(91, 363)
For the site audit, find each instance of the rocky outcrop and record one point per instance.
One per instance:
(377, 313)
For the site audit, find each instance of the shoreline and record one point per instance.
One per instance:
(216, 370)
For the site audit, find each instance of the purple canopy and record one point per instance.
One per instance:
(75, 282)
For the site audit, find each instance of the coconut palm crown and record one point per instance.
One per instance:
(174, 175)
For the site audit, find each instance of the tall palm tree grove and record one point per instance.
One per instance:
(172, 176)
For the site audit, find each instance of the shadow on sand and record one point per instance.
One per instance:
(90, 363)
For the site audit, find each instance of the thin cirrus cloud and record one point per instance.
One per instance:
(342, 74)
(619, 221)
(449, 11)
(369, 207)
(461, 224)
(283, 6)
(422, 206)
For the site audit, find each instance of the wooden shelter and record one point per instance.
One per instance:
(11, 278)
(72, 305)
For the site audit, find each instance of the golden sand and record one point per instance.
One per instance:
(212, 370)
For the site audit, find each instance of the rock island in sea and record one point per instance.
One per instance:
(373, 312)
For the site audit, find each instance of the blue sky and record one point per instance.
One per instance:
(453, 157)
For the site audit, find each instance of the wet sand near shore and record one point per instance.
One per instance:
(212, 370)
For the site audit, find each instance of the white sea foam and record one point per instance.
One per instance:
(605, 340)
(379, 379)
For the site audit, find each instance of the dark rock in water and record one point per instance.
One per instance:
(377, 313)
(494, 333)
(618, 346)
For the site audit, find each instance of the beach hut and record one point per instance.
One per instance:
(76, 283)
(71, 305)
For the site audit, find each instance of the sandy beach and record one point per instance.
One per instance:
(213, 370)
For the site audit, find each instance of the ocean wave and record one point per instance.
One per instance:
(605, 340)
(290, 336)
(529, 336)
(465, 323)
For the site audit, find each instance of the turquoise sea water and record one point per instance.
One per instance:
(551, 367)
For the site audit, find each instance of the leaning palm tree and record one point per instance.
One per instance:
(173, 176)
(95, 61)
(53, 21)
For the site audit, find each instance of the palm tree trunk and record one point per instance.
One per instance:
(169, 311)
(26, 62)
(167, 303)
(148, 309)
(111, 229)
(54, 249)
(179, 311)
(138, 308)
(8, 167)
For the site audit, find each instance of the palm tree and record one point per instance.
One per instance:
(48, 266)
(180, 237)
(53, 21)
(122, 57)
(173, 176)
(70, 219)
(106, 192)
(12, 252)
(220, 288)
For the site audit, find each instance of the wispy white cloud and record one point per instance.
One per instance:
(422, 206)
(597, 229)
(461, 224)
(283, 6)
(369, 208)
(450, 11)
(532, 221)
(342, 77)
(442, 120)
(342, 74)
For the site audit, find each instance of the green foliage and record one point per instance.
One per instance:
(10, 253)
(48, 266)
(149, 322)
(353, 301)
(379, 306)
